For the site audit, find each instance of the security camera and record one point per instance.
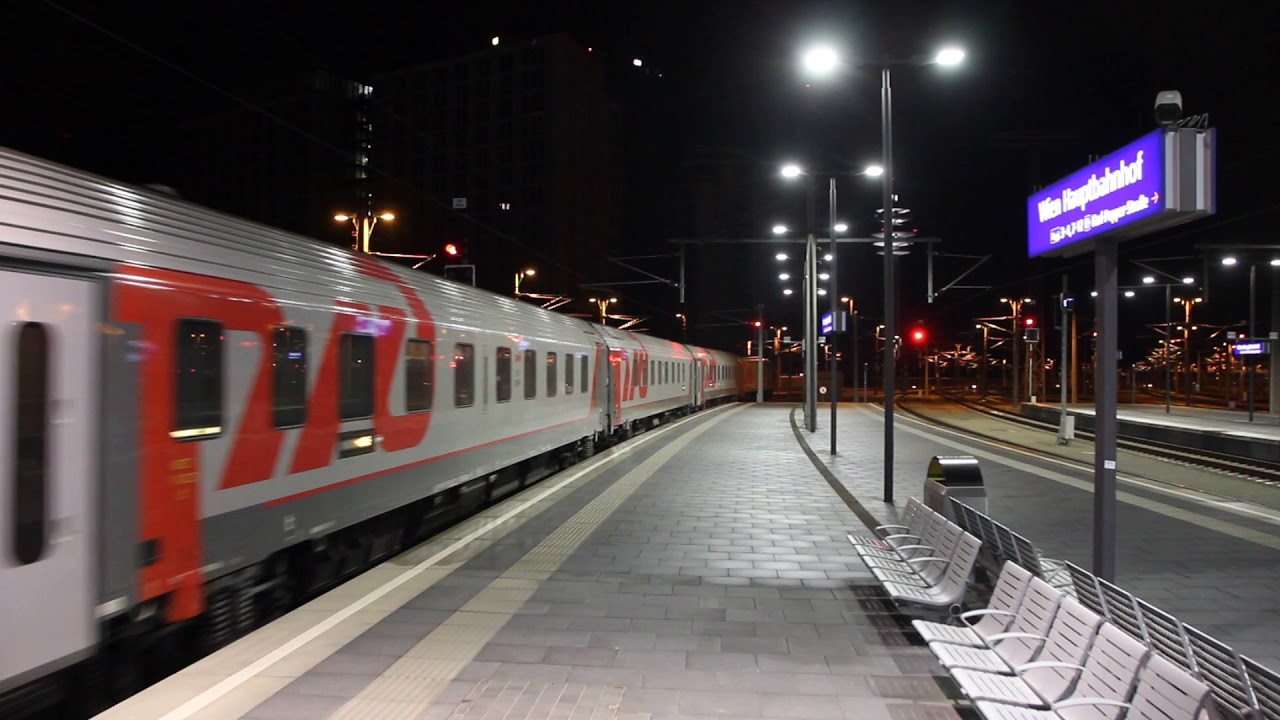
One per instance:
(1168, 107)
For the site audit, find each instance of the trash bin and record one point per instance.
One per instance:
(954, 476)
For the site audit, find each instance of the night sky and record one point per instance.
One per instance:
(1045, 85)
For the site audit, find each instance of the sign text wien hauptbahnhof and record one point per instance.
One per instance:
(1163, 178)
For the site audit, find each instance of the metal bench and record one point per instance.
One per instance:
(1117, 684)
(1016, 646)
(1053, 673)
(944, 597)
(978, 625)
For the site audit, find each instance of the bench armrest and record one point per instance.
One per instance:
(900, 548)
(900, 535)
(931, 558)
(983, 612)
(992, 639)
(886, 527)
(1076, 702)
(1039, 665)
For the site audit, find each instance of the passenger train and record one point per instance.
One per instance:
(203, 419)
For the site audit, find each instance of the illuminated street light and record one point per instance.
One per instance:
(1191, 280)
(363, 226)
(781, 256)
(521, 275)
(827, 257)
(821, 60)
(603, 304)
(787, 291)
(1129, 293)
(791, 170)
(1147, 280)
(824, 276)
(784, 276)
(873, 171)
(842, 227)
(1229, 260)
(949, 56)
(779, 229)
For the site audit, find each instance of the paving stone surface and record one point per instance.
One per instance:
(723, 586)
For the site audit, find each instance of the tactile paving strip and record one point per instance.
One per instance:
(519, 700)
(922, 712)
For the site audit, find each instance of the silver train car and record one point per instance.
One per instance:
(203, 418)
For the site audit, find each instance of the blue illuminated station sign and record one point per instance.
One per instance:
(1162, 179)
(1251, 347)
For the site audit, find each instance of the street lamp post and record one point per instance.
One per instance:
(853, 330)
(521, 275)
(603, 304)
(982, 381)
(364, 225)
(810, 300)
(835, 310)
(947, 56)
(1016, 305)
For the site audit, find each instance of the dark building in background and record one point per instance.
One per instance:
(524, 135)
(291, 162)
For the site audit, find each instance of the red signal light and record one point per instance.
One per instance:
(757, 324)
(1029, 321)
(918, 336)
(451, 249)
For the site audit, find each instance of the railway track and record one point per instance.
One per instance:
(1247, 468)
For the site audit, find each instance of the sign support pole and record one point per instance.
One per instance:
(1104, 454)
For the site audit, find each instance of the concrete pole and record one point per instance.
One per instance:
(1075, 361)
(1104, 454)
(834, 292)
(890, 327)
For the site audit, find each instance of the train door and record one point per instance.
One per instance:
(48, 470)
(696, 369)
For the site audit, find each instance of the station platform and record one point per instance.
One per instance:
(1209, 420)
(699, 570)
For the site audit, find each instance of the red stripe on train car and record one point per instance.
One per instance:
(169, 469)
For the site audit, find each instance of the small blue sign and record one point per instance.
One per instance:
(828, 323)
(1256, 347)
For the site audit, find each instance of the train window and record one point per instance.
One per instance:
(582, 376)
(568, 374)
(31, 452)
(635, 373)
(464, 375)
(503, 367)
(289, 376)
(418, 390)
(198, 376)
(551, 374)
(355, 376)
(530, 374)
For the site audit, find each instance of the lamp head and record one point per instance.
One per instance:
(821, 60)
(949, 56)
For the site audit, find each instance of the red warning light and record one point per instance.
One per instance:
(757, 323)
(1029, 321)
(918, 335)
(451, 249)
